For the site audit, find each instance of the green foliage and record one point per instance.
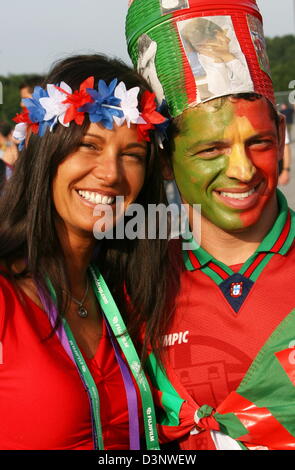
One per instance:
(281, 52)
(11, 97)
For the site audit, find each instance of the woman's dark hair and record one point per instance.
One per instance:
(2, 174)
(135, 270)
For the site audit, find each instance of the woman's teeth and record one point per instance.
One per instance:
(238, 195)
(96, 198)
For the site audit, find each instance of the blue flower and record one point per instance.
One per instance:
(21, 145)
(99, 110)
(36, 110)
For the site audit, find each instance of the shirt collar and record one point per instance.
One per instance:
(278, 240)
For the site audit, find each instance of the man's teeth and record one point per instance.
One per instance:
(96, 198)
(238, 195)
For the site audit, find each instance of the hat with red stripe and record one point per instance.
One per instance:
(192, 51)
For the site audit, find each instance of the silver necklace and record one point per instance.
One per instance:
(82, 311)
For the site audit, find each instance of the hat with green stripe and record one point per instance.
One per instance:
(192, 51)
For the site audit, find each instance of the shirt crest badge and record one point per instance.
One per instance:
(236, 289)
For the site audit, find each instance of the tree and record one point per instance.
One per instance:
(11, 97)
(281, 52)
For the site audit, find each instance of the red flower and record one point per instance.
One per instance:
(24, 117)
(77, 100)
(150, 114)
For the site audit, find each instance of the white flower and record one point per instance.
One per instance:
(54, 106)
(129, 104)
(20, 131)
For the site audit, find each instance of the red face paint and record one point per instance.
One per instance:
(263, 153)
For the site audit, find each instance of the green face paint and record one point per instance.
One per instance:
(226, 160)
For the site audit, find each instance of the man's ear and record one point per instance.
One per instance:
(282, 135)
(166, 168)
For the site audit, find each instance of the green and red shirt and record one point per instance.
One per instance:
(223, 318)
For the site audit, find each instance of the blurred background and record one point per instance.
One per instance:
(34, 34)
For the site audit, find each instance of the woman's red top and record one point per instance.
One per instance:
(43, 402)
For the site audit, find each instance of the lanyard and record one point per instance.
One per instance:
(90, 386)
(115, 322)
(68, 341)
(134, 432)
(118, 327)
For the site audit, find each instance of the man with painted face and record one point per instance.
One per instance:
(225, 157)
(229, 350)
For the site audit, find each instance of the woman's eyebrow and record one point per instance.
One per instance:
(128, 146)
(136, 144)
(96, 136)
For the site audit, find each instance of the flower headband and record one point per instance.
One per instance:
(106, 105)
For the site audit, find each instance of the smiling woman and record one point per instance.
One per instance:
(86, 142)
(116, 162)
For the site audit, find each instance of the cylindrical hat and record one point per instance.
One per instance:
(192, 51)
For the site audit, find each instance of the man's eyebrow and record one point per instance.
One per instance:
(207, 142)
(261, 135)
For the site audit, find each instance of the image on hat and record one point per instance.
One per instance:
(257, 34)
(168, 6)
(215, 57)
(146, 65)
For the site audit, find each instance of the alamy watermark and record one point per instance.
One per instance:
(157, 221)
(292, 93)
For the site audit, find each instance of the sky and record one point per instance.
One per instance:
(34, 34)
